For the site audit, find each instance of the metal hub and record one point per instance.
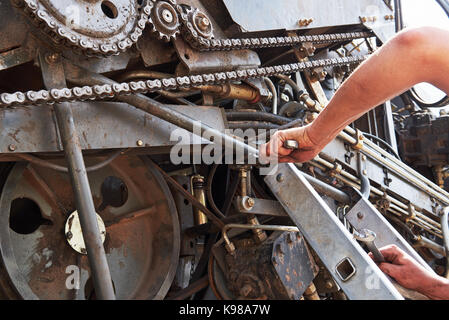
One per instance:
(74, 234)
(202, 24)
(41, 259)
(96, 27)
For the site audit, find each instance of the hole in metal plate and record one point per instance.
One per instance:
(345, 269)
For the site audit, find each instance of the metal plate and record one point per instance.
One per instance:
(371, 219)
(100, 125)
(261, 15)
(328, 237)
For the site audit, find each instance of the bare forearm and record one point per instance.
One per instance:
(438, 290)
(409, 58)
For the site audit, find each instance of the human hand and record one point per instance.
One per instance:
(308, 147)
(412, 275)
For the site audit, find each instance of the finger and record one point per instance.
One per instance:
(392, 253)
(391, 270)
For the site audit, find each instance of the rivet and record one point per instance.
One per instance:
(12, 147)
(360, 215)
(139, 143)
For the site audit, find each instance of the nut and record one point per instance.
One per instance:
(250, 202)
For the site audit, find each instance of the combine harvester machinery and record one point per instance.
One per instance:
(94, 95)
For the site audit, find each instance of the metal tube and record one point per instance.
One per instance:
(256, 116)
(274, 104)
(328, 190)
(46, 164)
(426, 243)
(84, 77)
(445, 228)
(227, 227)
(377, 153)
(83, 198)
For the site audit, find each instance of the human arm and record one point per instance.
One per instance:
(412, 56)
(410, 274)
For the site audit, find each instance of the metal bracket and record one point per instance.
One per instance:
(328, 237)
(364, 215)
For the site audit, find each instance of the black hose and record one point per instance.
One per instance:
(386, 144)
(210, 198)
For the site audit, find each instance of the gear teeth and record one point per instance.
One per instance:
(160, 34)
(82, 44)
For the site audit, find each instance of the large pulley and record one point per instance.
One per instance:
(41, 244)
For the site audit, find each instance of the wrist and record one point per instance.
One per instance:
(312, 136)
(436, 288)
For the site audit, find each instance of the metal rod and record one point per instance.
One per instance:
(46, 164)
(445, 229)
(227, 227)
(191, 289)
(328, 190)
(84, 77)
(83, 198)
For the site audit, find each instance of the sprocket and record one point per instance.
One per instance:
(90, 27)
(164, 19)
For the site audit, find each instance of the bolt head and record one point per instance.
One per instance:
(139, 143)
(52, 57)
(12, 147)
(250, 202)
(360, 215)
(280, 177)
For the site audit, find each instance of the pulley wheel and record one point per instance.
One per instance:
(42, 255)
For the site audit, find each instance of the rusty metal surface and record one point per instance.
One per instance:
(142, 250)
(196, 61)
(279, 268)
(293, 263)
(32, 129)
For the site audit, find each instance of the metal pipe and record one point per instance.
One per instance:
(445, 229)
(377, 153)
(191, 289)
(274, 104)
(426, 243)
(81, 76)
(227, 227)
(233, 91)
(84, 203)
(328, 190)
(353, 181)
(256, 116)
(43, 163)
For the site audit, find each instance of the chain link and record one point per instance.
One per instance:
(105, 91)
